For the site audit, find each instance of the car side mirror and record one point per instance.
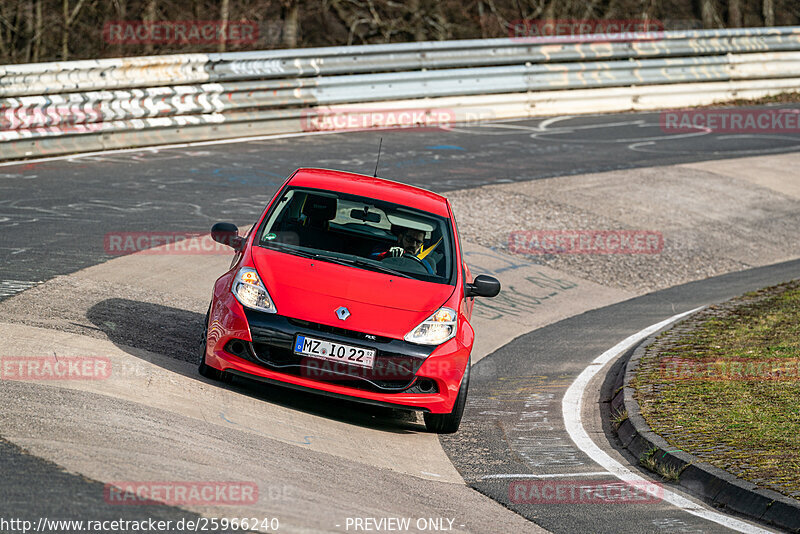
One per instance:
(227, 234)
(483, 286)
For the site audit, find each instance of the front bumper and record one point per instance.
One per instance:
(404, 374)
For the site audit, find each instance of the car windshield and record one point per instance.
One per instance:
(362, 232)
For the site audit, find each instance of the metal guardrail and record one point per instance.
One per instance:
(88, 105)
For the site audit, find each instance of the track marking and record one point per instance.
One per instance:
(571, 408)
(12, 287)
(542, 126)
(246, 139)
(157, 148)
(548, 475)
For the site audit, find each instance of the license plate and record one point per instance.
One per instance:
(336, 352)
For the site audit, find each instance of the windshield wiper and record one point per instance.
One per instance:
(362, 263)
(289, 249)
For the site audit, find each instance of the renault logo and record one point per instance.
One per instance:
(342, 313)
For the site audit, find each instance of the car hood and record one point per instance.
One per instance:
(380, 304)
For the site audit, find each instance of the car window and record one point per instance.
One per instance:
(362, 232)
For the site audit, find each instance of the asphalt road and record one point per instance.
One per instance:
(33, 489)
(54, 215)
(513, 428)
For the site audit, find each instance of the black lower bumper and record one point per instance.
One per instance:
(359, 400)
(394, 370)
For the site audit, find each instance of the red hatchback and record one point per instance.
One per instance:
(350, 286)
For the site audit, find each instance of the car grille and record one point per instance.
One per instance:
(393, 371)
(353, 334)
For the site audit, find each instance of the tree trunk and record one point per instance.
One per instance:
(65, 33)
(5, 56)
(37, 36)
(122, 14)
(149, 18)
(290, 23)
(417, 23)
(735, 14)
(768, 8)
(224, 14)
(69, 17)
(708, 14)
(29, 29)
(482, 19)
(442, 30)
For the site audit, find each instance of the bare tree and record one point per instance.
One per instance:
(121, 14)
(224, 14)
(735, 14)
(482, 19)
(37, 32)
(768, 9)
(150, 14)
(69, 18)
(417, 23)
(290, 14)
(439, 22)
(47, 30)
(27, 8)
(709, 14)
(4, 47)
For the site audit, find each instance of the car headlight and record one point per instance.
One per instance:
(436, 329)
(250, 291)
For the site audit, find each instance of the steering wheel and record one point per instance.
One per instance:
(389, 260)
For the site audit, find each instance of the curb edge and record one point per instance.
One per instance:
(715, 485)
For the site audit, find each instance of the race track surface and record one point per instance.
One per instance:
(726, 204)
(54, 214)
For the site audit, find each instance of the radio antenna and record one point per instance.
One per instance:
(380, 144)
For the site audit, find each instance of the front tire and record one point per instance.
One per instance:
(448, 423)
(204, 369)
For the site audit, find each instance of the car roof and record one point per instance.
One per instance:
(369, 186)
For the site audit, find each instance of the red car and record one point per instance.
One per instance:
(351, 286)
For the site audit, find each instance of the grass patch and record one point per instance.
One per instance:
(619, 417)
(729, 390)
(649, 461)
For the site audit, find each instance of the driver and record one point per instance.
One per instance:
(409, 241)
